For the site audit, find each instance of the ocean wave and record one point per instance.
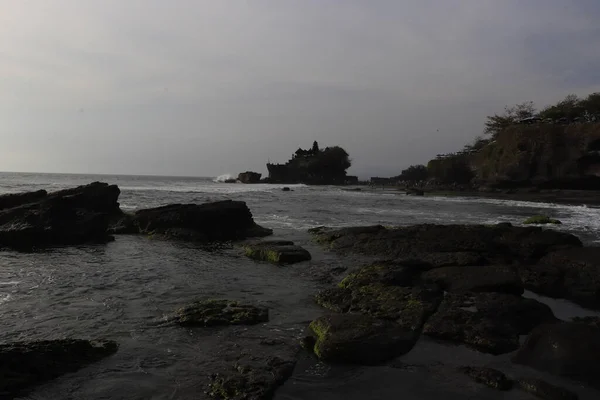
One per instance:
(223, 178)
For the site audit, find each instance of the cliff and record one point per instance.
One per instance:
(543, 155)
(314, 166)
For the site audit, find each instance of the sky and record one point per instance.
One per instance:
(205, 88)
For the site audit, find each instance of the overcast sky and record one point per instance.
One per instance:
(193, 87)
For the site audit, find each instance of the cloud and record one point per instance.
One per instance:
(205, 87)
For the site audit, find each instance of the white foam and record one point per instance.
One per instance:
(9, 283)
(223, 178)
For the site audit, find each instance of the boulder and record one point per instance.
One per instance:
(218, 221)
(487, 322)
(253, 379)
(24, 365)
(541, 220)
(336, 299)
(567, 349)
(276, 252)
(17, 199)
(286, 189)
(495, 244)
(545, 390)
(415, 192)
(67, 217)
(213, 312)
(395, 273)
(359, 339)
(573, 274)
(488, 376)
(490, 278)
(249, 177)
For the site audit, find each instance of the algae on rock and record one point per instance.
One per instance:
(220, 312)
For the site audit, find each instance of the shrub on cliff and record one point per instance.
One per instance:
(414, 173)
(498, 122)
(450, 169)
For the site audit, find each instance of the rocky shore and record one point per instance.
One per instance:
(457, 285)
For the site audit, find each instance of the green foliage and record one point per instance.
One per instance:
(414, 173)
(541, 219)
(570, 107)
(497, 122)
(450, 169)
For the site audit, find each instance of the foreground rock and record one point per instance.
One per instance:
(497, 244)
(256, 379)
(564, 349)
(490, 278)
(359, 339)
(17, 199)
(541, 220)
(24, 365)
(487, 322)
(573, 274)
(218, 221)
(277, 252)
(545, 390)
(488, 376)
(207, 313)
(67, 217)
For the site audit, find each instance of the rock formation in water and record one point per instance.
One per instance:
(249, 177)
(313, 166)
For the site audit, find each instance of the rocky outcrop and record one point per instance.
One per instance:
(218, 221)
(276, 252)
(66, 217)
(488, 376)
(205, 313)
(489, 278)
(487, 322)
(564, 349)
(249, 177)
(572, 274)
(545, 390)
(24, 365)
(359, 339)
(502, 243)
(254, 378)
(17, 199)
(313, 166)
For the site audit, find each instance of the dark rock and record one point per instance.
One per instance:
(220, 312)
(249, 177)
(593, 321)
(67, 217)
(455, 258)
(218, 221)
(573, 274)
(359, 339)
(335, 299)
(541, 220)
(286, 189)
(489, 377)
(17, 199)
(491, 278)
(487, 322)
(564, 349)
(395, 273)
(256, 380)
(230, 180)
(415, 192)
(544, 390)
(123, 223)
(496, 244)
(24, 365)
(276, 252)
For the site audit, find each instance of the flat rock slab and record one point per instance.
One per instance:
(207, 313)
(255, 379)
(359, 339)
(487, 322)
(277, 252)
(491, 278)
(564, 349)
(573, 274)
(24, 365)
(495, 244)
(545, 390)
(488, 376)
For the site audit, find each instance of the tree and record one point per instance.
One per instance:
(591, 105)
(414, 173)
(315, 147)
(496, 123)
(570, 107)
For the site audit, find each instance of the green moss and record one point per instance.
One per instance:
(541, 219)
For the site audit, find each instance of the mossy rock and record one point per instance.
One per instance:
(488, 376)
(336, 299)
(400, 273)
(541, 220)
(276, 252)
(207, 313)
(545, 390)
(24, 365)
(257, 380)
(359, 339)
(490, 278)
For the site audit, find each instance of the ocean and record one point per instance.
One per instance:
(124, 290)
